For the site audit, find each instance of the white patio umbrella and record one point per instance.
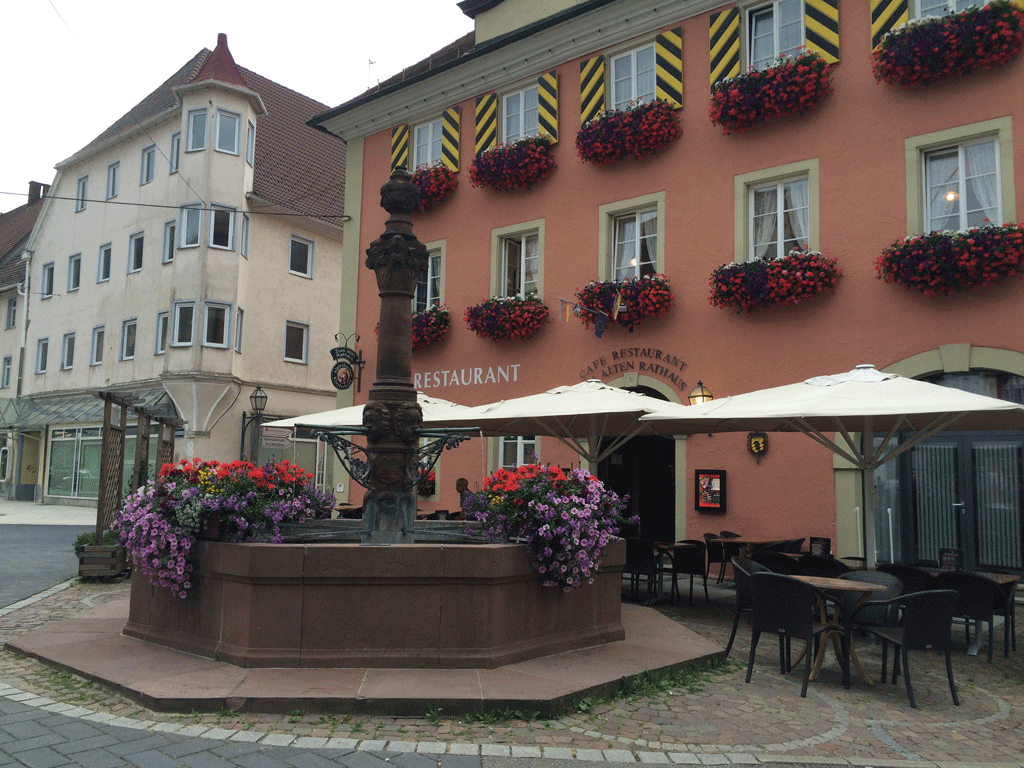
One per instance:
(433, 408)
(863, 400)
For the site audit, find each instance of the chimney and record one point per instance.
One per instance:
(36, 190)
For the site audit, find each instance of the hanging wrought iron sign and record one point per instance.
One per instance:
(348, 368)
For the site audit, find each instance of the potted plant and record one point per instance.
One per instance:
(434, 183)
(791, 86)
(638, 131)
(626, 302)
(565, 520)
(799, 275)
(508, 317)
(426, 485)
(518, 165)
(430, 326)
(926, 51)
(954, 262)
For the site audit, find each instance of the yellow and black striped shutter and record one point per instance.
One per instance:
(400, 146)
(668, 49)
(821, 20)
(450, 138)
(547, 105)
(591, 89)
(725, 44)
(486, 133)
(886, 15)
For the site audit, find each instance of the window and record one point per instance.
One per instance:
(162, 322)
(98, 338)
(148, 170)
(113, 179)
(516, 451)
(774, 30)
(227, 131)
(300, 257)
(67, 354)
(520, 260)
(520, 114)
(174, 156)
(42, 351)
(942, 7)
(635, 245)
(129, 329)
(82, 194)
(5, 372)
(222, 227)
(46, 286)
(136, 244)
(243, 244)
(184, 323)
(74, 272)
(428, 287)
(239, 316)
(191, 225)
(196, 130)
(633, 78)
(250, 144)
(776, 211)
(167, 253)
(427, 145)
(216, 318)
(296, 342)
(962, 187)
(12, 312)
(103, 269)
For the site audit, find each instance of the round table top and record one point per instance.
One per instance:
(840, 585)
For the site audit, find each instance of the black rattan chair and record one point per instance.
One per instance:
(742, 567)
(716, 554)
(914, 579)
(816, 565)
(978, 596)
(642, 563)
(776, 562)
(1006, 601)
(688, 559)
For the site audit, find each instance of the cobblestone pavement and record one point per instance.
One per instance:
(710, 718)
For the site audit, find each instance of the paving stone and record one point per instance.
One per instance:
(42, 758)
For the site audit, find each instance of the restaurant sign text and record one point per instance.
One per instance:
(648, 360)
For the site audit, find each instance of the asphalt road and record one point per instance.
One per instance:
(34, 558)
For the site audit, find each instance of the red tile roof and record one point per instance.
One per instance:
(15, 227)
(220, 65)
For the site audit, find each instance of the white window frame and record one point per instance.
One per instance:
(226, 132)
(196, 139)
(956, 191)
(638, 243)
(216, 306)
(304, 327)
(520, 242)
(99, 334)
(113, 179)
(6, 370)
(250, 142)
(309, 256)
(136, 253)
(178, 308)
(82, 194)
(129, 331)
(163, 322)
(950, 6)
(428, 284)
(526, 446)
(218, 211)
(67, 352)
(775, 7)
(46, 283)
(243, 238)
(174, 157)
(777, 247)
(147, 169)
(170, 233)
(427, 144)
(609, 215)
(42, 354)
(193, 211)
(526, 120)
(239, 324)
(74, 272)
(12, 312)
(106, 259)
(743, 207)
(630, 78)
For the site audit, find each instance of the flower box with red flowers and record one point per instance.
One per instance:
(639, 131)
(505, 318)
(642, 297)
(435, 184)
(926, 51)
(793, 85)
(430, 327)
(761, 283)
(426, 485)
(954, 262)
(518, 165)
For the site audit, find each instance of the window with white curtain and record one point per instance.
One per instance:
(636, 245)
(516, 451)
(520, 263)
(778, 218)
(633, 79)
(428, 286)
(774, 30)
(962, 187)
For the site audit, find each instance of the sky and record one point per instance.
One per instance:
(72, 67)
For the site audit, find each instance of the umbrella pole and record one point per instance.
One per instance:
(867, 474)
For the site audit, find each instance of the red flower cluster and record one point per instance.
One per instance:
(639, 131)
(434, 184)
(642, 297)
(508, 481)
(430, 327)
(929, 50)
(519, 165)
(501, 319)
(953, 262)
(796, 277)
(282, 474)
(793, 85)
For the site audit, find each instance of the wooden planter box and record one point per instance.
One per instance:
(102, 560)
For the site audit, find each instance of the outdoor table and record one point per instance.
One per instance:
(838, 634)
(746, 542)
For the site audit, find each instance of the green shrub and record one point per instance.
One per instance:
(88, 539)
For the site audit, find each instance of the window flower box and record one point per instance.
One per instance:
(798, 276)
(519, 165)
(502, 319)
(430, 327)
(639, 131)
(793, 85)
(642, 297)
(435, 184)
(427, 485)
(954, 262)
(926, 51)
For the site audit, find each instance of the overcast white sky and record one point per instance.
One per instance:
(72, 67)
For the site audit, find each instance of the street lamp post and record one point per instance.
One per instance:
(258, 403)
